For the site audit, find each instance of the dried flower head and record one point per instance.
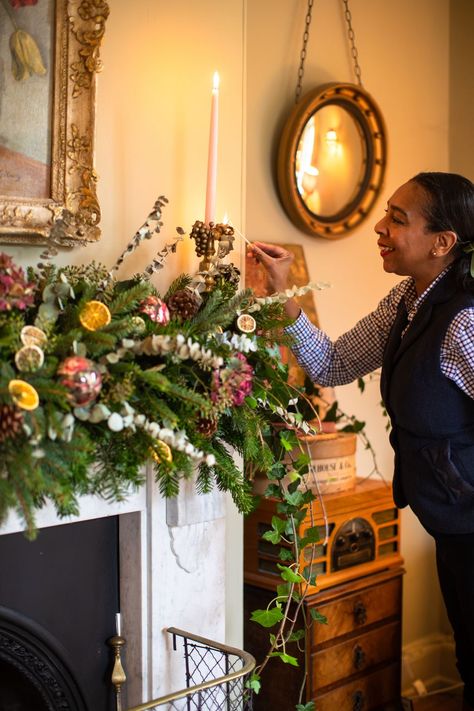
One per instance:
(15, 291)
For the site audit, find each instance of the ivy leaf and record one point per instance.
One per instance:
(289, 575)
(311, 535)
(287, 440)
(318, 617)
(278, 527)
(285, 554)
(277, 471)
(251, 402)
(254, 683)
(331, 415)
(278, 524)
(309, 576)
(267, 618)
(297, 635)
(286, 658)
(295, 498)
(272, 536)
(283, 590)
(302, 461)
(306, 707)
(356, 426)
(272, 491)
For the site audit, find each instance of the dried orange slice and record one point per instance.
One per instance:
(246, 323)
(29, 358)
(161, 452)
(23, 394)
(33, 336)
(94, 315)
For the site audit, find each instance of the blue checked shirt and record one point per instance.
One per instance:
(360, 350)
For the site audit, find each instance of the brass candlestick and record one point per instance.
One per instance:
(213, 243)
(118, 675)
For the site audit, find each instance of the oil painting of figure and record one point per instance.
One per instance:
(26, 97)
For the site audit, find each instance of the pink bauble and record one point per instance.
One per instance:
(156, 309)
(81, 377)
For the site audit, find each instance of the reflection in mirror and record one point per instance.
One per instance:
(331, 159)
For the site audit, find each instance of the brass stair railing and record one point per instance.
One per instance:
(220, 672)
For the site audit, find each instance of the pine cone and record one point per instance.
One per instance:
(206, 426)
(230, 273)
(183, 304)
(11, 422)
(228, 279)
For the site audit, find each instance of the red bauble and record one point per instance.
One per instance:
(81, 377)
(156, 309)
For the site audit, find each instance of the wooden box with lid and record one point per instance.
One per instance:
(361, 536)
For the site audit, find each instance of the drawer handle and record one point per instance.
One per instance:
(360, 613)
(359, 657)
(358, 701)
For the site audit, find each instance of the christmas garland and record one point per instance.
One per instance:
(99, 376)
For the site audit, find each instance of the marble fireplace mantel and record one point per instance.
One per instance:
(172, 573)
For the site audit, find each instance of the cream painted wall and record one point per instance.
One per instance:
(403, 52)
(461, 96)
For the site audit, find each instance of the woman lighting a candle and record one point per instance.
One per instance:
(422, 336)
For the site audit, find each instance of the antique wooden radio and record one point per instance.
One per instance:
(359, 535)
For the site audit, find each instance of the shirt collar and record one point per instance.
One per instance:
(412, 300)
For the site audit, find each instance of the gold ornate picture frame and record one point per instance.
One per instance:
(50, 200)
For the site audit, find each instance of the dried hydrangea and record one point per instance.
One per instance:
(15, 291)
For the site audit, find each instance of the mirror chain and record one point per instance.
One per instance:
(350, 34)
(307, 23)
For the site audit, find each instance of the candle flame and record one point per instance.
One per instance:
(215, 82)
(226, 219)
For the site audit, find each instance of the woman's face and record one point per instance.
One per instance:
(404, 241)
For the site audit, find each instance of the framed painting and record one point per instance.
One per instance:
(49, 57)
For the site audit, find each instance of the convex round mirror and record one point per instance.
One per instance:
(331, 159)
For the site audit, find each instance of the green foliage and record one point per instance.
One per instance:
(267, 618)
(318, 617)
(112, 395)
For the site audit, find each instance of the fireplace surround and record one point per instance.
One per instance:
(171, 572)
(58, 595)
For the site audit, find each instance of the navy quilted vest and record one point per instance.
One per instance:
(432, 418)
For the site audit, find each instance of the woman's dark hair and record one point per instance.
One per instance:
(450, 206)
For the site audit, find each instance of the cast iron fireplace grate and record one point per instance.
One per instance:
(33, 674)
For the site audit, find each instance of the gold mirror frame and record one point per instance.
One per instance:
(365, 112)
(71, 214)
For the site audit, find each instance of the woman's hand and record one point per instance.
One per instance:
(275, 260)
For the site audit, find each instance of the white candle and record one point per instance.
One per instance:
(118, 627)
(212, 157)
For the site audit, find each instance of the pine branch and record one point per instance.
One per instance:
(179, 283)
(129, 299)
(230, 478)
(209, 315)
(160, 382)
(98, 342)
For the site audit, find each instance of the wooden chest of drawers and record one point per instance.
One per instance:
(352, 663)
